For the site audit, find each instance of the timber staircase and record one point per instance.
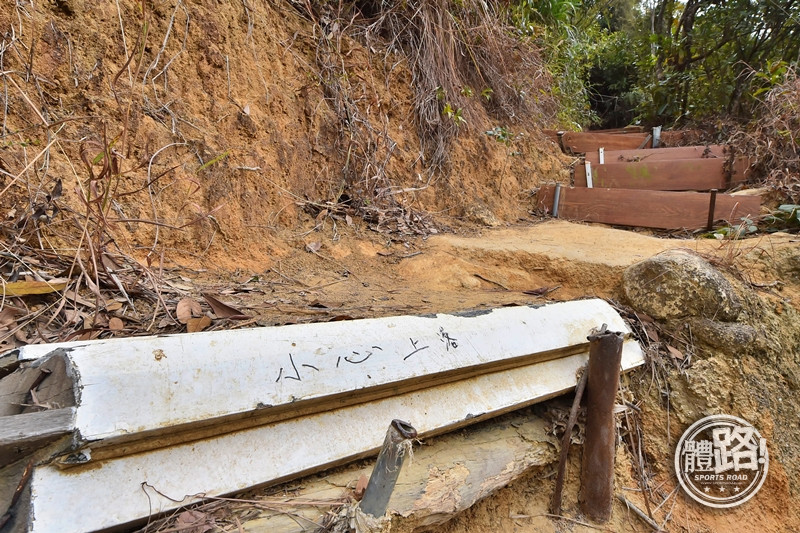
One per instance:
(625, 178)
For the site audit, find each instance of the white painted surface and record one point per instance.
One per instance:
(589, 180)
(100, 496)
(138, 384)
(130, 385)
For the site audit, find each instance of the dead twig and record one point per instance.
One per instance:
(487, 280)
(515, 516)
(555, 504)
(638, 512)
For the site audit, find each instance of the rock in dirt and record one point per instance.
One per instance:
(677, 284)
(729, 337)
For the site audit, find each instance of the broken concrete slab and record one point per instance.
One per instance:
(155, 415)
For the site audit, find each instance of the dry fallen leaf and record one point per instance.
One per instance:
(223, 310)
(116, 324)
(21, 336)
(24, 288)
(9, 314)
(113, 306)
(88, 334)
(541, 291)
(650, 330)
(674, 352)
(186, 309)
(73, 316)
(193, 325)
(99, 321)
(314, 247)
(193, 521)
(321, 216)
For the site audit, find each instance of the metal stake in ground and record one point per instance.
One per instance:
(555, 503)
(712, 205)
(597, 470)
(387, 468)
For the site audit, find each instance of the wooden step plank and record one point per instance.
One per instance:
(580, 142)
(21, 435)
(648, 209)
(676, 175)
(659, 154)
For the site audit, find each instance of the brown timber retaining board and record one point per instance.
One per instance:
(676, 175)
(658, 154)
(579, 142)
(648, 209)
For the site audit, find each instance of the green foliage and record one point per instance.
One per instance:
(773, 75)
(570, 53)
(734, 232)
(501, 134)
(456, 115)
(701, 57)
(786, 217)
(579, 38)
(661, 61)
(613, 80)
(527, 15)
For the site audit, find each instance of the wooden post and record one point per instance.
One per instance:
(597, 471)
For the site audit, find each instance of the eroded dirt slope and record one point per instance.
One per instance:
(222, 131)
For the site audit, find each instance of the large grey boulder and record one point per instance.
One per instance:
(678, 284)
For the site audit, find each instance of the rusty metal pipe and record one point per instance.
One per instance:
(597, 470)
(387, 468)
